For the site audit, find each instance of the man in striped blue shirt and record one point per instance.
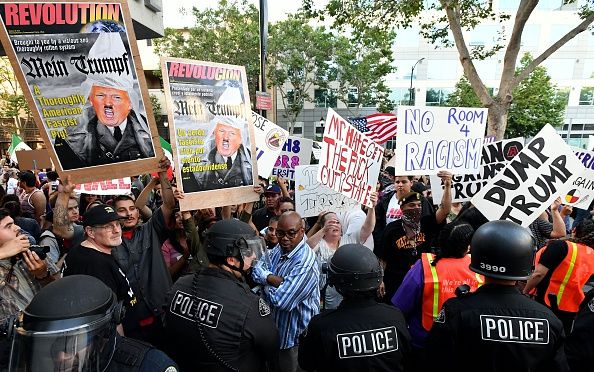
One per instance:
(290, 286)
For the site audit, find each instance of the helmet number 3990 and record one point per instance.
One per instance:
(493, 268)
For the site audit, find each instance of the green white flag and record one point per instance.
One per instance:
(167, 150)
(16, 144)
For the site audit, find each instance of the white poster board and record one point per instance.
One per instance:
(432, 139)
(350, 161)
(495, 157)
(581, 194)
(120, 186)
(270, 139)
(312, 198)
(296, 151)
(543, 170)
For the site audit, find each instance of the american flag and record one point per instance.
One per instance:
(380, 127)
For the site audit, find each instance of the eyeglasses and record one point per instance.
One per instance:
(114, 226)
(291, 234)
(287, 210)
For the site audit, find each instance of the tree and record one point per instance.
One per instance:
(299, 58)
(226, 34)
(12, 101)
(362, 62)
(537, 102)
(455, 16)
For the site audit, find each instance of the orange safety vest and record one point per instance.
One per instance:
(568, 279)
(441, 281)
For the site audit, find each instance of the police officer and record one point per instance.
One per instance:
(496, 328)
(70, 325)
(213, 321)
(360, 334)
(580, 343)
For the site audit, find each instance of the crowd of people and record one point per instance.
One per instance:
(131, 282)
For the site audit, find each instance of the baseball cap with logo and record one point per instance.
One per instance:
(273, 189)
(409, 198)
(100, 215)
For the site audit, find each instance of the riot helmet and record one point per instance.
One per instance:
(354, 269)
(70, 325)
(502, 250)
(233, 238)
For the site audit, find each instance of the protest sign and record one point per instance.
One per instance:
(312, 198)
(214, 149)
(79, 68)
(296, 151)
(581, 192)
(545, 169)
(350, 161)
(270, 139)
(494, 157)
(432, 139)
(120, 186)
(33, 159)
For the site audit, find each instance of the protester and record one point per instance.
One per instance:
(239, 333)
(32, 199)
(334, 339)
(543, 230)
(27, 224)
(270, 233)
(261, 216)
(474, 331)
(183, 246)
(563, 267)
(290, 286)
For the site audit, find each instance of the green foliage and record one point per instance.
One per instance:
(537, 102)
(225, 34)
(157, 109)
(299, 59)
(463, 95)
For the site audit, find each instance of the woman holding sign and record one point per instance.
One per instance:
(330, 236)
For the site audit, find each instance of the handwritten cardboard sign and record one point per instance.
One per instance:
(80, 70)
(270, 139)
(581, 192)
(296, 151)
(431, 139)
(350, 161)
(33, 159)
(312, 198)
(494, 157)
(213, 143)
(120, 186)
(543, 170)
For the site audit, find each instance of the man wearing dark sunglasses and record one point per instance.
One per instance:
(290, 286)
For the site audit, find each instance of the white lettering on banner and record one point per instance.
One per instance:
(367, 343)
(543, 170)
(119, 186)
(514, 329)
(196, 309)
(439, 138)
(349, 161)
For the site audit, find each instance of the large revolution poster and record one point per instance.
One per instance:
(212, 134)
(78, 65)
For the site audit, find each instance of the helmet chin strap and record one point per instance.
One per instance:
(238, 269)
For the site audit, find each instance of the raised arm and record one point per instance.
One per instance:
(369, 223)
(446, 200)
(166, 192)
(140, 202)
(62, 226)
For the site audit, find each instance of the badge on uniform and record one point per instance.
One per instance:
(171, 369)
(591, 305)
(440, 317)
(263, 307)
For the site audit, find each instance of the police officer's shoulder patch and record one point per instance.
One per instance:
(591, 305)
(440, 317)
(171, 369)
(263, 307)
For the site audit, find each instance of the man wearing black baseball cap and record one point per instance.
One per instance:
(93, 257)
(262, 216)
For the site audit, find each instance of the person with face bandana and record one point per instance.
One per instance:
(213, 321)
(404, 240)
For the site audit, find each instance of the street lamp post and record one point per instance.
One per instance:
(411, 90)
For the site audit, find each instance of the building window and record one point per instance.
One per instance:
(485, 35)
(487, 69)
(560, 68)
(437, 96)
(530, 35)
(587, 96)
(353, 97)
(443, 69)
(563, 93)
(325, 98)
(402, 69)
(400, 96)
(558, 31)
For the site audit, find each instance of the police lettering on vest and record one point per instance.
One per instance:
(514, 329)
(196, 309)
(367, 343)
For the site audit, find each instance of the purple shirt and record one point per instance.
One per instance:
(409, 299)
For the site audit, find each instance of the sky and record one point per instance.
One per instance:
(173, 17)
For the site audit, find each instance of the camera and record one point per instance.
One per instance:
(41, 250)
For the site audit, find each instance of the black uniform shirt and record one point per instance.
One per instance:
(496, 329)
(236, 324)
(580, 343)
(361, 335)
(554, 253)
